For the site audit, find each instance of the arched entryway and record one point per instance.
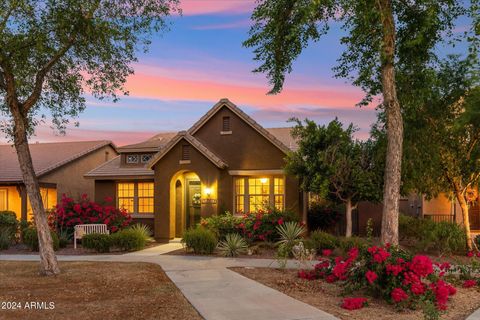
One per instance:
(185, 202)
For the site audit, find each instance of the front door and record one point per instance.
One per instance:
(193, 202)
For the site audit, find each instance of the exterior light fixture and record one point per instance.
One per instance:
(208, 191)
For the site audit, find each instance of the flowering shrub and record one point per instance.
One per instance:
(254, 226)
(354, 303)
(69, 213)
(387, 272)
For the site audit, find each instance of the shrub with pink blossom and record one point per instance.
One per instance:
(68, 213)
(402, 279)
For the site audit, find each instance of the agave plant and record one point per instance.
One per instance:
(142, 230)
(289, 233)
(233, 245)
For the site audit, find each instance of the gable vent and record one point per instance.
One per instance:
(185, 152)
(226, 124)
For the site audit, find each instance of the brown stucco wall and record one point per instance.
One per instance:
(165, 170)
(69, 178)
(103, 189)
(244, 149)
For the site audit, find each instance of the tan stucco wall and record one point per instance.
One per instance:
(439, 205)
(69, 178)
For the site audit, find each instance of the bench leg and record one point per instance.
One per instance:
(74, 242)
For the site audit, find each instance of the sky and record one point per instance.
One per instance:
(201, 60)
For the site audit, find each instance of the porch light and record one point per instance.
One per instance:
(208, 191)
(263, 180)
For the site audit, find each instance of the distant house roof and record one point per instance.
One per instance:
(284, 135)
(154, 144)
(46, 157)
(112, 169)
(210, 155)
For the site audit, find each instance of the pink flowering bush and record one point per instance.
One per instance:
(69, 213)
(402, 279)
(254, 226)
(354, 303)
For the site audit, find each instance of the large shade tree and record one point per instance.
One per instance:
(381, 36)
(442, 136)
(53, 53)
(331, 163)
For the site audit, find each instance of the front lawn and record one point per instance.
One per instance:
(327, 297)
(92, 290)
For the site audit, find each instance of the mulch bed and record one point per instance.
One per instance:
(93, 290)
(328, 297)
(262, 252)
(20, 248)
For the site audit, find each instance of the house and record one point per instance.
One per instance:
(225, 162)
(59, 167)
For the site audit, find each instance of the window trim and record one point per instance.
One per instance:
(131, 155)
(149, 155)
(136, 197)
(246, 194)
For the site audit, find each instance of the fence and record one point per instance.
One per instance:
(440, 217)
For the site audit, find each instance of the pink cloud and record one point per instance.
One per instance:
(167, 88)
(200, 7)
(221, 26)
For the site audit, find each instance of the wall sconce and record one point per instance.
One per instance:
(208, 191)
(263, 180)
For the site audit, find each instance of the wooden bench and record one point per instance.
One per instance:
(83, 229)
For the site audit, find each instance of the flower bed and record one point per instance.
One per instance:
(390, 273)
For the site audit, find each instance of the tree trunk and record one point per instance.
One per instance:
(49, 264)
(466, 219)
(394, 126)
(348, 218)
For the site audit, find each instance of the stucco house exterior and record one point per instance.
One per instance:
(225, 162)
(59, 167)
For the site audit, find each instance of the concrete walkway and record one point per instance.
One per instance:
(216, 292)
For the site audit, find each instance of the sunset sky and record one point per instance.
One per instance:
(199, 61)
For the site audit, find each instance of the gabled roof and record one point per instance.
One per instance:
(285, 136)
(46, 157)
(153, 144)
(113, 169)
(195, 143)
(227, 103)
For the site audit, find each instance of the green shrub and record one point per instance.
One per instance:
(477, 241)
(8, 228)
(352, 242)
(449, 237)
(200, 240)
(222, 224)
(30, 239)
(426, 235)
(142, 230)
(320, 240)
(233, 245)
(130, 239)
(97, 241)
(63, 238)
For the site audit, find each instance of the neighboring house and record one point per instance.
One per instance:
(440, 208)
(224, 162)
(60, 168)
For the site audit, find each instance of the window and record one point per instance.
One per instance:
(132, 158)
(254, 193)
(146, 158)
(126, 196)
(136, 197)
(240, 195)
(145, 197)
(3, 199)
(259, 193)
(186, 152)
(279, 193)
(226, 124)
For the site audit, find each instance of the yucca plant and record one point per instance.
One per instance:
(142, 231)
(233, 245)
(289, 233)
